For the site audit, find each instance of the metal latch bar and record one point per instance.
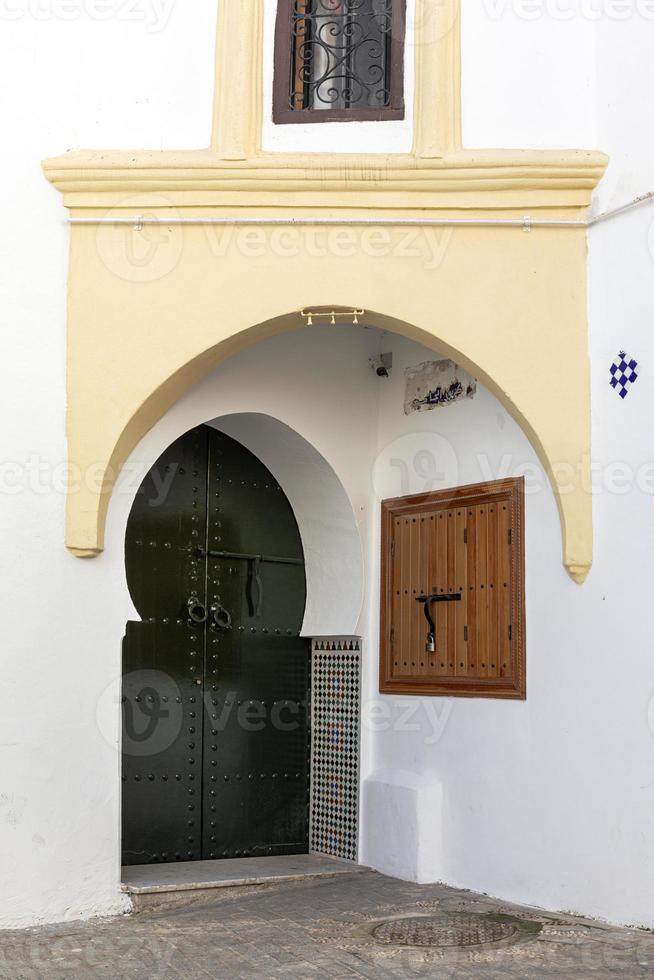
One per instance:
(238, 556)
(427, 600)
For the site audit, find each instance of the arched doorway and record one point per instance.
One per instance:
(463, 334)
(216, 676)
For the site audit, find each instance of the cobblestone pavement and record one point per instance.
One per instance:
(315, 929)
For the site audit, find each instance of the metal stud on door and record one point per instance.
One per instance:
(163, 659)
(216, 677)
(256, 735)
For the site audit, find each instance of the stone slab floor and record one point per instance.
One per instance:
(315, 929)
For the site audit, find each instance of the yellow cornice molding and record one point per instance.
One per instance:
(561, 178)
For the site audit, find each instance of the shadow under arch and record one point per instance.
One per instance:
(333, 554)
(535, 415)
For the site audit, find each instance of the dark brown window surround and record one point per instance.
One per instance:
(284, 55)
(470, 541)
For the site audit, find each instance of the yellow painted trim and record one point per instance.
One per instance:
(486, 182)
(437, 103)
(504, 303)
(238, 110)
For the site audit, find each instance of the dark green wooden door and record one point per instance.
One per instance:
(216, 676)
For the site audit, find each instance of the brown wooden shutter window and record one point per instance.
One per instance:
(461, 552)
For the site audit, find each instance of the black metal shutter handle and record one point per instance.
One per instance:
(427, 601)
(197, 611)
(431, 635)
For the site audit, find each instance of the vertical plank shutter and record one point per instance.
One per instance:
(462, 551)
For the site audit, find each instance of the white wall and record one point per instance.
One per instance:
(65, 83)
(550, 801)
(528, 74)
(625, 76)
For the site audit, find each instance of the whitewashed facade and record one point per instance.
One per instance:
(548, 802)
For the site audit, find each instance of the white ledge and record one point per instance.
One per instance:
(153, 879)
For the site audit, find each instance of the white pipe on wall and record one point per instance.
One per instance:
(526, 223)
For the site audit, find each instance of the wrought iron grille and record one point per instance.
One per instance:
(345, 58)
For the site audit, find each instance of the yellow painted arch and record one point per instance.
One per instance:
(553, 413)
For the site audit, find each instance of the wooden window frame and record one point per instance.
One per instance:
(283, 114)
(512, 687)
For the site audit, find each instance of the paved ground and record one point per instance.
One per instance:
(315, 929)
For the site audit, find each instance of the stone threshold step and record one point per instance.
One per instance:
(189, 876)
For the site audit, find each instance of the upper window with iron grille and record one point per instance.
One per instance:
(339, 60)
